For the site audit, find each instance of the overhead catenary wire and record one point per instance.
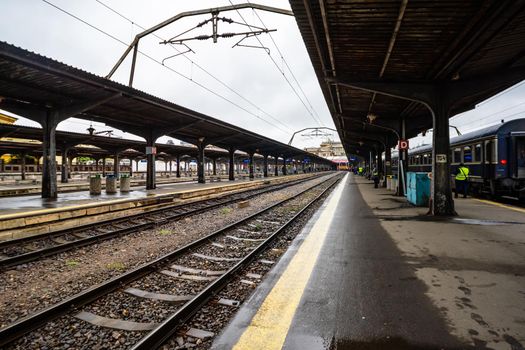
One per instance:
(287, 65)
(280, 70)
(198, 66)
(166, 67)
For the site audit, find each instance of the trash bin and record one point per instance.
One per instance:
(393, 186)
(125, 183)
(389, 182)
(111, 184)
(95, 185)
(418, 188)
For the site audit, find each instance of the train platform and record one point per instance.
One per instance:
(25, 215)
(32, 187)
(370, 271)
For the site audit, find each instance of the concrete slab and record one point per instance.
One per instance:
(23, 204)
(387, 277)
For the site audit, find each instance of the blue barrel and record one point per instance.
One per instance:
(418, 188)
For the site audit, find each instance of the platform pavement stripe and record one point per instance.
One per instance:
(270, 325)
(501, 205)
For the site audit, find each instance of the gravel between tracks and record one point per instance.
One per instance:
(214, 317)
(34, 286)
(69, 333)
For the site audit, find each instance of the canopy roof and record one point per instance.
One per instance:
(29, 81)
(479, 44)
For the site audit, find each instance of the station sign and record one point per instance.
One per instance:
(403, 145)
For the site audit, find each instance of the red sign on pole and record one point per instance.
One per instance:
(403, 145)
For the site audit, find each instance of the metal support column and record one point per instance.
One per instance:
(49, 164)
(401, 166)
(23, 165)
(276, 166)
(214, 164)
(284, 166)
(150, 169)
(116, 165)
(231, 170)
(70, 166)
(441, 191)
(265, 165)
(251, 165)
(388, 163)
(178, 165)
(64, 169)
(200, 162)
(130, 167)
(104, 166)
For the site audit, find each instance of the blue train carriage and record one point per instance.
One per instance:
(495, 156)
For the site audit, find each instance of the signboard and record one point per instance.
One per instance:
(403, 145)
(151, 150)
(441, 158)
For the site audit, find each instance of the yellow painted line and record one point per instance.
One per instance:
(501, 205)
(270, 325)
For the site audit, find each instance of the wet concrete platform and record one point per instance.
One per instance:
(370, 271)
(77, 185)
(28, 203)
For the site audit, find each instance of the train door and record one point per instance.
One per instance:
(520, 157)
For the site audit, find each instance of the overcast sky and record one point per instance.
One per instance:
(37, 26)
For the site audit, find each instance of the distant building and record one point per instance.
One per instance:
(328, 149)
(331, 150)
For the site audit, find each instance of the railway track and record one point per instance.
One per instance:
(24, 250)
(160, 295)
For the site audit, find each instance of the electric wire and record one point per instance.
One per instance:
(166, 67)
(287, 65)
(197, 65)
(280, 70)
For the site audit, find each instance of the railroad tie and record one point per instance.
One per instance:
(107, 322)
(171, 298)
(245, 239)
(188, 277)
(214, 258)
(180, 268)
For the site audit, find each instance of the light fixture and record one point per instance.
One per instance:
(371, 117)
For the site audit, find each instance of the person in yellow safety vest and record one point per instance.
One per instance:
(462, 180)
(360, 170)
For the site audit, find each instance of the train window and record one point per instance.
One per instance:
(467, 154)
(477, 152)
(457, 155)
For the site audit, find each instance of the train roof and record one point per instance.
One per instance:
(501, 129)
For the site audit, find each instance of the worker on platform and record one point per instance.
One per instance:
(462, 180)
(361, 170)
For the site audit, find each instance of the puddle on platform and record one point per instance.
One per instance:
(452, 220)
(384, 344)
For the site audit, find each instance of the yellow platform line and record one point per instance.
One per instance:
(501, 205)
(270, 325)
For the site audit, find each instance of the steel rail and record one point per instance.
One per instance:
(60, 248)
(166, 329)
(29, 323)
